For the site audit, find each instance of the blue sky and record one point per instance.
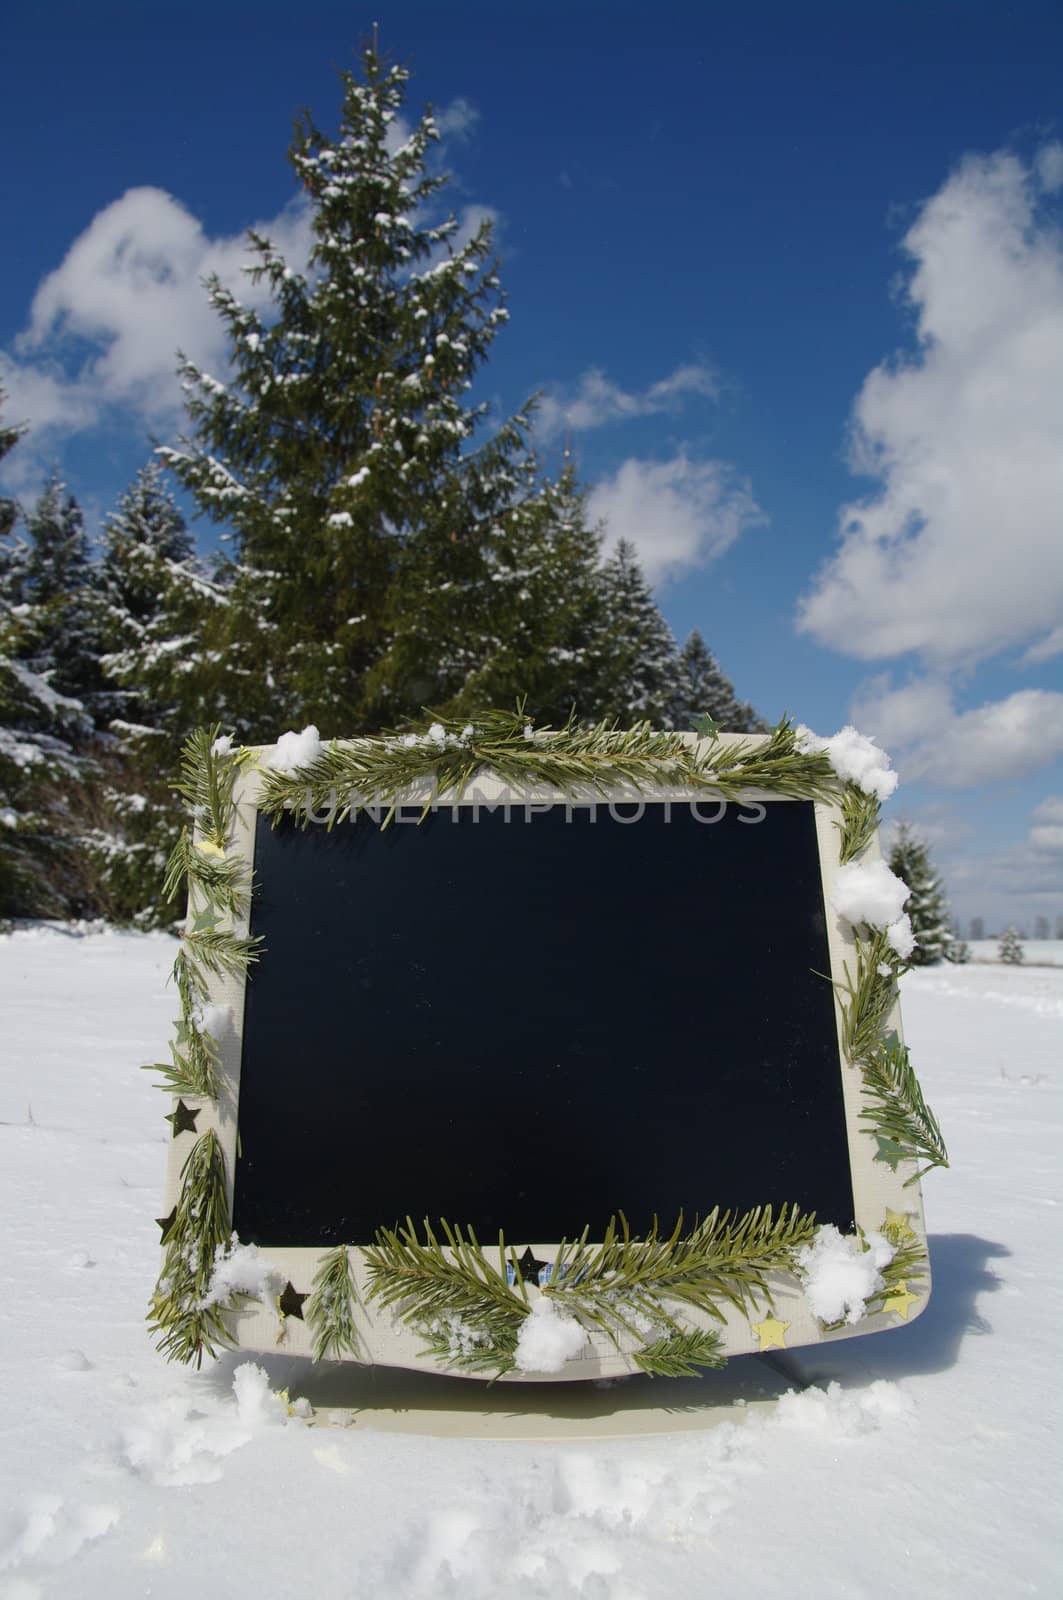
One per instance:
(785, 268)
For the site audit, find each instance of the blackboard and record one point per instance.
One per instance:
(534, 1022)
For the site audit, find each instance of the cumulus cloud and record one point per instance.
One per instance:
(930, 740)
(678, 514)
(596, 399)
(1046, 831)
(105, 325)
(956, 556)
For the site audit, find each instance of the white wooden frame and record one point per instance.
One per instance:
(383, 1338)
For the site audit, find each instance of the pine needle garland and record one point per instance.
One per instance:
(188, 1328)
(450, 753)
(860, 816)
(681, 1355)
(329, 1312)
(218, 951)
(908, 1266)
(869, 994)
(194, 1067)
(222, 883)
(206, 782)
(900, 1114)
(471, 1317)
(723, 1260)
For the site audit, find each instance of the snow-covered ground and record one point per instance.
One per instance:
(923, 1461)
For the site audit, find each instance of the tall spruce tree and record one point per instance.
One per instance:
(9, 437)
(705, 691)
(638, 668)
(535, 614)
(46, 653)
(928, 905)
(372, 510)
(154, 599)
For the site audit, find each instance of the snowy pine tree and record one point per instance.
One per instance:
(637, 676)
(154, 602)
(60, 601)
(369, 517)
(1010, 948)
(46, 651)
(928, 906)
(9, 437)
(704, 690)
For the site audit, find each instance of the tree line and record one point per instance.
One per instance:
(385, 544)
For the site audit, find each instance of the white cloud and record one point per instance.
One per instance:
(957, 556)
(458, 119)
(901, 718)
(678, 513)
(1044, 650)
(106, 324)
(1046, 832)
(596, 399)
(999, 741)
(1050, 166)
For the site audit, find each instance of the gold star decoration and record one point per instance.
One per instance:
(897, 1226)
(182, 1119)
(290, 1301)
(209, 847)
(900, 1299)
(771, 1333)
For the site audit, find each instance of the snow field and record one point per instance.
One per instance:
(926, 1457)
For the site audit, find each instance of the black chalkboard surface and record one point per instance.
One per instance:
(533, 1024)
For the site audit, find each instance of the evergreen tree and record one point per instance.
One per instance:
(9, 437)
(704, 690)
(60, 601)
(637, 676)
(45, 731)
(523, 621)
(927, 907)
(371, 520)
(154, 598)
(1010, 947)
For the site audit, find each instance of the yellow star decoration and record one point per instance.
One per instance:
(897, 1223)
(771, 1333)
(900, 1300)
(207, 847)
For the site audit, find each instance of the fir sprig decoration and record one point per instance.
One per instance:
(451, 751)
(868, 993)
(222, 882)
(723, 1260)
(193, 1069)
(907, 1267)
(860, 818)
(329, 1312)
(681, 1355)
(189, 1327)
(777, 767)
(471, 1316)
(207, 777)
(217, 951)
(900, 1115)
(463, 1282)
